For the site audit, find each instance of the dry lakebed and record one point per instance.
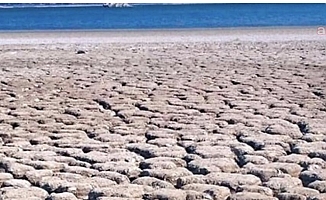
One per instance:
(168, 115)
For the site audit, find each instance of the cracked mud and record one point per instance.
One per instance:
(172, 121)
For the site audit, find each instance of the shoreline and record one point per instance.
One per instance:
(161, 29)
(261, 34)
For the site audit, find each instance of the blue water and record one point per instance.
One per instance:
(162, 16)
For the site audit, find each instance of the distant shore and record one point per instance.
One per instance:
(161, 35)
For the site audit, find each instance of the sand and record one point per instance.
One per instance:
(173, 114)
(263, 34)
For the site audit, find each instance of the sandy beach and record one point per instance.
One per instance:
(254, 34)
(223, 114)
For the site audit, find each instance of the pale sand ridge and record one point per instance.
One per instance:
(153, 36)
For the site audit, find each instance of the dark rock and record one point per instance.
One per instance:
(80, 52)
(303, 126)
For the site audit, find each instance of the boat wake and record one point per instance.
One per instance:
(116, 5)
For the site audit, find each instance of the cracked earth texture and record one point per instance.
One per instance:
(173, 121)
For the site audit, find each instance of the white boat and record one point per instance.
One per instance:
(116, 5)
